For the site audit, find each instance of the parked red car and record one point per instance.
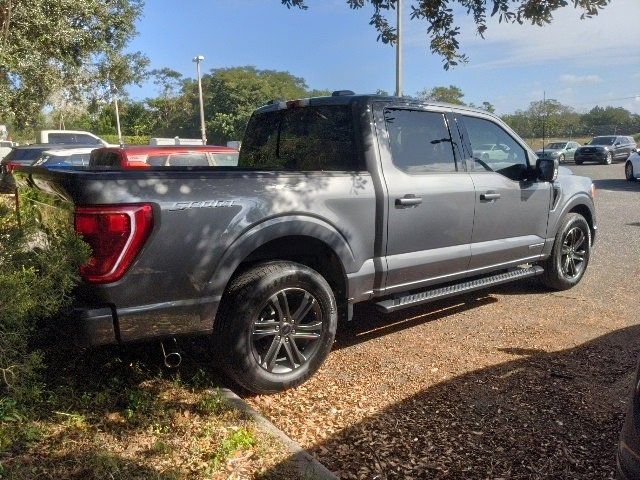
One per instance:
(146, 156)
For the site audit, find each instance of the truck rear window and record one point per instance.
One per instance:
(315, 138)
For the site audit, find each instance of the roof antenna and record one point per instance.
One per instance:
(544, 119)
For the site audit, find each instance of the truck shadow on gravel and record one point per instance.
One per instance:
(541, 415)
(616, 185)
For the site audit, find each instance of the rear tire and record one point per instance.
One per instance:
(628, 172)
(569, 258)
(578, 162)
(276, 326)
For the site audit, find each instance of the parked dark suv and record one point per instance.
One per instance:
(606, 149)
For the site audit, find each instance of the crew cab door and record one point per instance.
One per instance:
(511, 213)
(430, 196)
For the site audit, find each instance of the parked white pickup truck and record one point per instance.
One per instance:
(70, 136)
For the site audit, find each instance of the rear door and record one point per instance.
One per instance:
(430, 196)
(511, 213)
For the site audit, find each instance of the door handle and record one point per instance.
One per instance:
(408, 201)
(488, 196)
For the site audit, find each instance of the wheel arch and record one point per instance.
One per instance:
(306, 240)
(583, 205)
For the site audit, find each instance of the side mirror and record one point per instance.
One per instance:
(547, 169)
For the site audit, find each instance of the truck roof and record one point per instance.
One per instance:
(342, 98)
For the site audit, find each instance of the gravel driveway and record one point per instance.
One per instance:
(513, 382)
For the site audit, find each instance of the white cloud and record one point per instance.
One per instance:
(610, 38)
(580, 79)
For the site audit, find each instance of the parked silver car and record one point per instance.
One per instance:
(563, 150)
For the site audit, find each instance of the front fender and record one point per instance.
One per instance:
(579, 201)
(273, 229)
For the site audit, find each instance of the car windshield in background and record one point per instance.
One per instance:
(312, 138)
(556, 146)
(24, 154)
(602, 141)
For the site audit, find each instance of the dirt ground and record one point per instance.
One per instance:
(510, 383)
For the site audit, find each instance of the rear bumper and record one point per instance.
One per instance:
(90, 327)
(94, 326)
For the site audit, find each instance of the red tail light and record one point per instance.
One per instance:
(116, 234)
(11, 166)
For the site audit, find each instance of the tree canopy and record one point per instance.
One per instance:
(440, 16)
(70, 46)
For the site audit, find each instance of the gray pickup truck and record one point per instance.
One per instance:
(335, 200)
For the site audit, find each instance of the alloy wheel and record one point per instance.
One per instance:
(286, 334)
(574, 253)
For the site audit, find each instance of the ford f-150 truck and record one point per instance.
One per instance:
(334, 201)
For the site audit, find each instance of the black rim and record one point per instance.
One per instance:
(286, 333)
(574, 253)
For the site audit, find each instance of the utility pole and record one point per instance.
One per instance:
(399, 50)
(197, 61)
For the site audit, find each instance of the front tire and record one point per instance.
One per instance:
(628, 172)
(561, 159)
(569, 258)
(276, 326)
(608, 160)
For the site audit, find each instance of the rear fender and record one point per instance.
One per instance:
(273, 229)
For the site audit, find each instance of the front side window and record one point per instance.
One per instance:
(87, 139)
(420, 141)
(494, 150)
(314, 138)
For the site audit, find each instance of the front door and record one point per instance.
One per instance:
(430, 197)
(510, 224)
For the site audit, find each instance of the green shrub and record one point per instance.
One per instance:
(39, 260)
(127, 139)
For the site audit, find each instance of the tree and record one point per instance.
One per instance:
(488, 107)
(75, 46)
(442, 29)
(232, 94)
(450, 94)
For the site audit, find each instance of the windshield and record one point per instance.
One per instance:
(556, 146)
(602, 141)
(24, 154)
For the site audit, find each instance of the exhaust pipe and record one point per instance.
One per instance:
(172, 357)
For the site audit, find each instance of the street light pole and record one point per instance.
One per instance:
(197, 61)
(399, 50)
(114, 93)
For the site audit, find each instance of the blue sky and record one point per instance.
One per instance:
(330, 46)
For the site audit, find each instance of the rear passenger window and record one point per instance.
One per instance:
(494, 150)
(420, 141)
(225, 159)
(157, 160)
(313, 138)
(188, 159)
